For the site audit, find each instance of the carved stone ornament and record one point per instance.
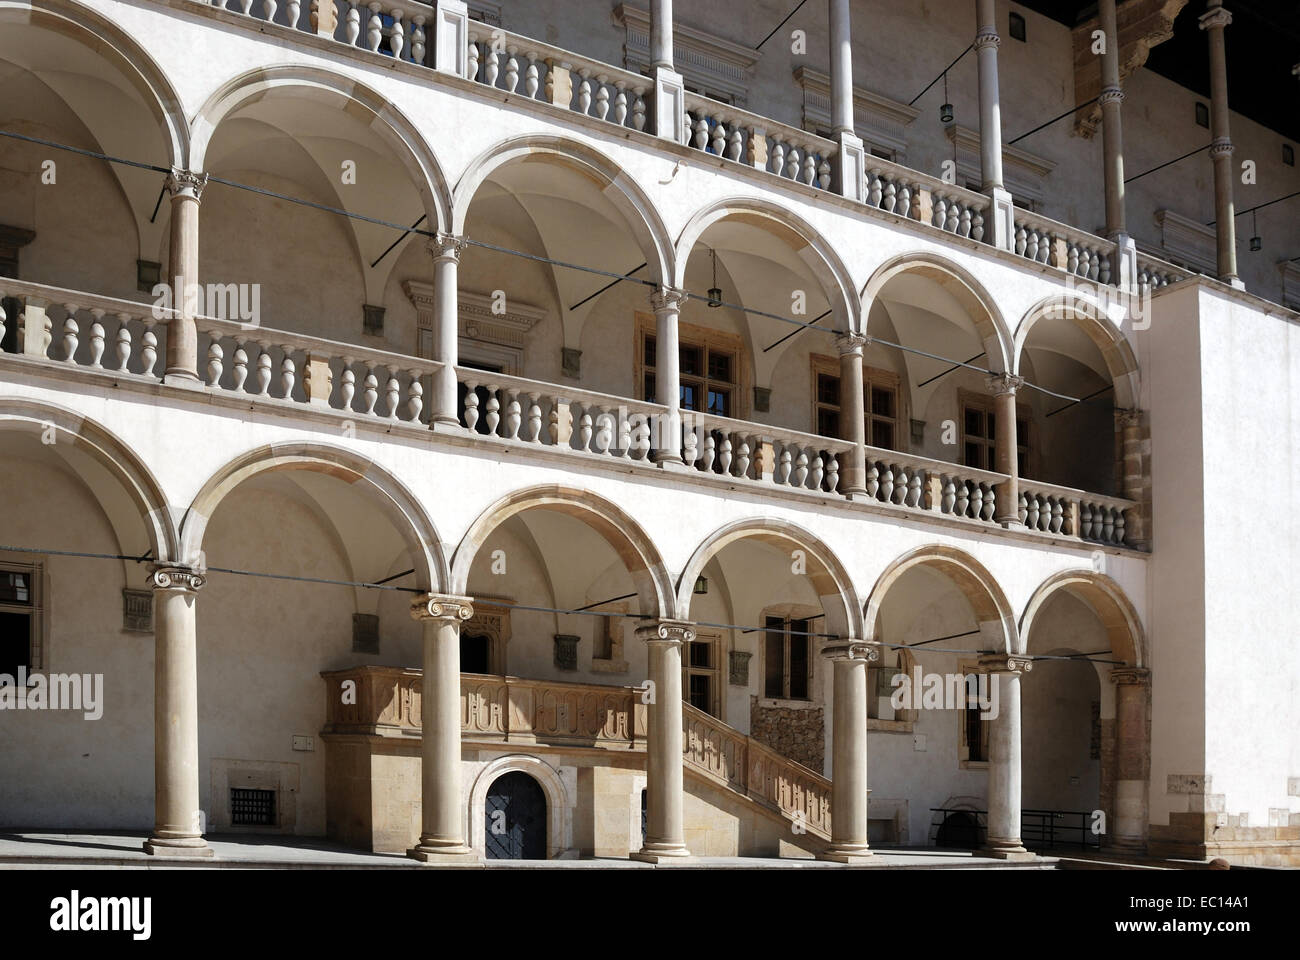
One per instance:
(852, 342)
(445, 247)
(1000, 384)
(848, 648)
(433, 606)
(667, 631)
(175, 577)
(666, 298)
(186, 183)
(1005, 663)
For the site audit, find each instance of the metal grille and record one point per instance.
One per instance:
(516, 819)
(255, 808)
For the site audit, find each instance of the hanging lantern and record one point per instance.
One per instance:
(945, 111)
(701, 585)
(715, 292)
(1256, 242)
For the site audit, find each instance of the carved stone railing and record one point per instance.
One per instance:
(729, 758)
(386, 701)
(1077, 252)
(919, 483)
(765, 454)
(1154, 273)
(758, 142)
(1067, 512)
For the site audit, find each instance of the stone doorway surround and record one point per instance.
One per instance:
(559, 808)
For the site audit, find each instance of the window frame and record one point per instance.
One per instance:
(708, 339)
(787, 616)
(713, 672)
(877, 377)
(1024, 439)
(35, 610)
(963, 720)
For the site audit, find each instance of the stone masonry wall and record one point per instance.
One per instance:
(797, 734)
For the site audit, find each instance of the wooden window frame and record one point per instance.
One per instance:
(35, 610)
(689, 334)
(789, 613)
(963, 718)
(984, 402)
(714, 672)
(871, 376)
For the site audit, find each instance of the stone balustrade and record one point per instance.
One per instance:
(1154, 273)
(922, 484)
(1064, 511)
(1078, 253)
(762, 453)
(746, 138)
(731, 759)
(539, 71)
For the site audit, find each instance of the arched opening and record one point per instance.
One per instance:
(1075, 350)
(312, 135)
(309, 525)
(561, 200)
(929, 407)
(71, 487)
(936, 611)
(789, 594)
(69, 75)
(516, 818)
(1086, 743)
(735, 362)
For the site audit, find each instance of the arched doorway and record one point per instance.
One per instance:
(516, 818)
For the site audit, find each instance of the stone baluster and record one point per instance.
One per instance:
(512, 69)
(532, 77)
(620, 102)
(492, 67)
(123, 344)
(584, 91)
(778, 155)
(534, 419)
(96, 338)
(397, 35)
(352, 23)
(709, 453)
(818, 471)
(418, 39)
(473, 56)
(833, 476)
(602, 97)
(415, 397)
(148, 349)
(292, 12)
(288, 373)
(792, 162)
(639, 108)
(514, 414)
(215, 357)
(347, 385)
(374, 27)
(71, 329)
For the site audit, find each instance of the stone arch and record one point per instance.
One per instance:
(830, 578)
(969, 576)
(110, 41)
(629, 541)
(106, 449)
(830, 270)
(620, 188)
(559, 810)
(393, 127)
(1086, 313)
(397, 502)
(1107, 599)
(990, 325)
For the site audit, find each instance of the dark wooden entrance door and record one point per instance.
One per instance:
(516, 818)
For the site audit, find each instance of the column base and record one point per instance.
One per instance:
(1010, 523)
(1010, 850)
(174, 378)
(671, 462)
(178, 847)
(446, 423)
(457, 855)
(662, 853)
(847, 853)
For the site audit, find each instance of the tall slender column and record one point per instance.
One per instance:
(1003, 386)
(446, 252)
(1124, 272)
(178, 821)
(1133, 476)
(665, 835)
(668, 441)
(849, 162)
(849, 660)
(669, 93)
(1132, 756)
(1214, 21)
(986, 51)
(442, 817)
(853, 408)
(1004, 758)
(185, 187)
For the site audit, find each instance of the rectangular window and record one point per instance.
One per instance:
(879, 399)
(786, 665)
(19, 618)
(700, 674)
(253, 808)
(979, 435)
(1202, 115)
(707, 374)
(974, 746)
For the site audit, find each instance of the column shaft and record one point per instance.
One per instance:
(668, 435)
(661, 33)
(442, 818)
(986, 50)
(853, 424)
(183, 268)
(1132, 756)
(178, 820)
(1004, 758)
(1005, 447)
(841, 68)
(1214, 21)
(446, 329)
(849, 751)
(665, 833)
(1112, 96)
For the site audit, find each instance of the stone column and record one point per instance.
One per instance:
(1214, 21)
(853, 423)
(445, 251)
(442, 833)
(1003, 386)
(849, 659)
(185, 187)
(1124, 265)
(1133, 476)
(1004, 758)
(669, 94)
(986, 50)
(178, 820)
(665, 836)
(1132, 756)
(849, 162)
(668, 435)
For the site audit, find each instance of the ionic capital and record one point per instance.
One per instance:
(1001, 384)
(437, 606)
(675, 632)
(445, 246)
(1218, 17)
(186, 183)
(1138, 676)
(848, 648)
(987, 37)
(176, 576)
(851, 343)
(666, 298)
(1005, 663)
(1111, 95)
(1221, 147)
